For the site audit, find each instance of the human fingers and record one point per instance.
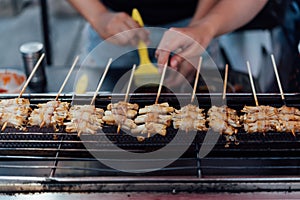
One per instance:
(117, 26)
(162, 59)
(186, 72)
(137, 32)
(172, 41)
(122, 36)
(188, 53)
(131, 32)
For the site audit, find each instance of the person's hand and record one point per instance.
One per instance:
(185, 43)
(178, 78)
(110, 24)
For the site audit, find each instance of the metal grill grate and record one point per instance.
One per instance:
(46, 155)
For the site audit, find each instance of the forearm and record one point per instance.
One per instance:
(89, 9)
(203, 7)
(228, 15)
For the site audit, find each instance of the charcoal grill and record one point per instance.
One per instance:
(40, 160)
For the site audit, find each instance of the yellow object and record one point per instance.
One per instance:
(146, 71)
(82, 84)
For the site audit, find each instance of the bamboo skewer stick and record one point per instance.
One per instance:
(31, 75)
(67, 77)
(130, 82)
(63, 85)
(4, 126)
(231, 137)
(27, 82)
(101, 81)
(252, 84)
(278, 79)
(127, 91)
(196, 79)
(279, 85)
(98, 87)
(161, 82)
(225, 82)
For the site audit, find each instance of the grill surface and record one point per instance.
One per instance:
(61, 162)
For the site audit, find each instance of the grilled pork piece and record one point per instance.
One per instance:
(162, 108)
(153, 119)
(14, 113)
(123, 108)
(189, 118)
(260, 119)
(289, 118)
(223, 120)
(150, 128)
(289, 110)
(121, 114)
(113, 119)
(289, 127)
(266, 118)
(52, 113)
(84, 119)
(262, 126)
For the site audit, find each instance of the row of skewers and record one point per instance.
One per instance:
(151, 119)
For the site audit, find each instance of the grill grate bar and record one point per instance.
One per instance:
(90, 169)
(251, 158)
(213, 167)
(27, 166)
(83, 159)
(53, 169)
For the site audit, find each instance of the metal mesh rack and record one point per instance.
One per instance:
(42, 160)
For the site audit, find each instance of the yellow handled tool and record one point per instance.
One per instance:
(146, 71)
